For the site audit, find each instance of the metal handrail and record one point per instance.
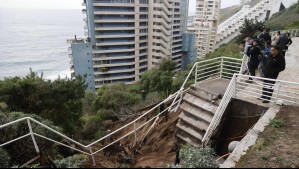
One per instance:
(32, 134)
(221, 61)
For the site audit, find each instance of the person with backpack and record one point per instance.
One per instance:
(254, 54)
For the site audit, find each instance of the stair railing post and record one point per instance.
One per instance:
(32, 136)
(234, 85)
(221, 69)
(135, 133)
(278, 90)
(196, 69)
(92, 156)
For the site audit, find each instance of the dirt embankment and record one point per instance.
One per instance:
(156, 150)
(278, 145)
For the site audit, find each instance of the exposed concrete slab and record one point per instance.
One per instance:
(215, 86)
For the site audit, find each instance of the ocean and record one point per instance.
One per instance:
(36, 39)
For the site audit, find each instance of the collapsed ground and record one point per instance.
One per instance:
(157, 150)
(278, 145)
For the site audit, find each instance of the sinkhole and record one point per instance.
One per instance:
(239, 117)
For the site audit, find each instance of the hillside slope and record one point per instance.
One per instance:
(286, 19)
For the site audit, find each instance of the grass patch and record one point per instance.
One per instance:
(276, 123)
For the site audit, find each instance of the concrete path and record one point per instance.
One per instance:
(291, 73)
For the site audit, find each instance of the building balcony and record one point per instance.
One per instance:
(116, 36)
(113, 4)
(114, 78)
(114, 28)
(114, 71)
(113, 65)
(113, 58)
(114, 43)
(113, 13)
(113, 51)
(113, 20)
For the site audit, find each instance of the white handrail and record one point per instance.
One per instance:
(75, 142)
(229, 93)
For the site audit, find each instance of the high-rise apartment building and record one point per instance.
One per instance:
(205, 26)
(129, 37)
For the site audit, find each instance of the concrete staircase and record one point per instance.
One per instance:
(197, 111)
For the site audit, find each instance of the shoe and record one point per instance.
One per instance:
(266, 101)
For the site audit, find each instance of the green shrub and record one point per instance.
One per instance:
(4, 159)
(75, 161)
(192, 157)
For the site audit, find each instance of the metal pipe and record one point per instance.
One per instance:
(32, 136)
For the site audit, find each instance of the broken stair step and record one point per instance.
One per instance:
(200, 103)
(190, 131)
(200, 125)
(196, 112)
(187, 140)
(205, 95)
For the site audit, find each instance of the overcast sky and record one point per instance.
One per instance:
(76, 4)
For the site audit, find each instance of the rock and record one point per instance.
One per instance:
(232, 146)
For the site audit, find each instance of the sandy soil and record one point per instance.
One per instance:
(157, 149)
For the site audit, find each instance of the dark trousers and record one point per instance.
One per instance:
(267, 91)
(283, 53)
(252, 67)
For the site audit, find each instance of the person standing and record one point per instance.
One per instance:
(265, 53)
(276, 38)
(282, 43)
(265, 36)
(289, 41)
(254, 58)
(247, 47)
(275, 63)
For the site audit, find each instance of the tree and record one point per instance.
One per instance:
(58, 100)
(250, 28)
(159, 79)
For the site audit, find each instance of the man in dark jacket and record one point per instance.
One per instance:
(254, 58)
(282, 43)
(265, 36)
(275, 63)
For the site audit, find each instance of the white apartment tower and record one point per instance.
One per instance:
(129, 37)
(205, 26)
